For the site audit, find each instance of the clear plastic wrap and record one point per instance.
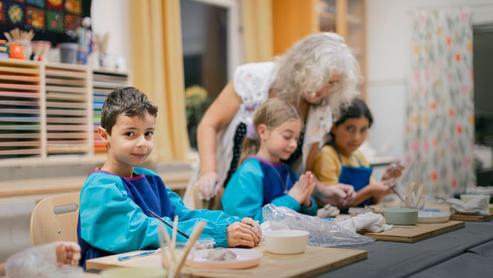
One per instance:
(322, 233)
(39, 261)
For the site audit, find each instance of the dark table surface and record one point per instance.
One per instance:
(458, 253)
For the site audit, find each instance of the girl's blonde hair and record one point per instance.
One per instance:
(272, 113)
(309, 64)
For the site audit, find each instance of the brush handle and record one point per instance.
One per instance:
(167, 224)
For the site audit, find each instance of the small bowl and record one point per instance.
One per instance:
(286, 241)
(401, 216)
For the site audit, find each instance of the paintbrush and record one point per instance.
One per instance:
(167, 224)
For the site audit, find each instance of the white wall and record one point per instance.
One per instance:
(388, 33)
(113, 16)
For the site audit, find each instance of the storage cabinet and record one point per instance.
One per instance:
(348, 19)
(103, 82)
(49, 111)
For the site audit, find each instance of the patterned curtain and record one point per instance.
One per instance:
(440, 123)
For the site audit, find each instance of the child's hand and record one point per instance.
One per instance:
(300, 189)
(393, 171)
(309, 186)
(242, 234)
(379, 189)
(67, 253)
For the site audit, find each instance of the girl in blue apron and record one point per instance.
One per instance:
(340, 161)
(263, 177)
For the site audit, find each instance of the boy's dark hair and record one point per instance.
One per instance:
(357, 108)
(128, 101)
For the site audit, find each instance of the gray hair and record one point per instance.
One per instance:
(308, 65)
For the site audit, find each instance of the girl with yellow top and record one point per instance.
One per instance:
(340, 161)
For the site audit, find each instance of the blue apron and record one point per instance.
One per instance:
(358, 177)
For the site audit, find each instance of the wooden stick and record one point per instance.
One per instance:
(197, 230)
(162, 242)
(7, 36)
(173, 236)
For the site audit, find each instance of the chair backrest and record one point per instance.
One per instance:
(55, 218)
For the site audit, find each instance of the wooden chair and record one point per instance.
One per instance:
(55, 218)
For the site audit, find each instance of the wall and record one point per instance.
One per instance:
(113, 16)
(388, 33)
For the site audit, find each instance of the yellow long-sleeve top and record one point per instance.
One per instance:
(327, 166)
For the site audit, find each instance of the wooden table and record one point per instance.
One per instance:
(416, 233)
(314, 261)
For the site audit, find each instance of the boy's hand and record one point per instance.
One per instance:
(242, 234)
(67, 253)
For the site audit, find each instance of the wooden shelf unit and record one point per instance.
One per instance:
(104, 82)
(49, 111)
(20, 109)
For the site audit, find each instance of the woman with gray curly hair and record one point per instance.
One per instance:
(316, 75)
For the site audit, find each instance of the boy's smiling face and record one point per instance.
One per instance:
(130, 143)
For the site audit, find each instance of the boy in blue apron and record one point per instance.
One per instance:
(340, 161)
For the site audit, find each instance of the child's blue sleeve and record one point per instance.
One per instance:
(312, 210)
(111, 221)
(287, 201)
(217, 220)
(244, 193)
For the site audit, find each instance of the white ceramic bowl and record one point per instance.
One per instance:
(401, 216)
(286, 241)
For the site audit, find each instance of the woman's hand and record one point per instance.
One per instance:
(340, 195)
(207, 186)
(245, 233)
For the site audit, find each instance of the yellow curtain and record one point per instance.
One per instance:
(157, 70)
(257, 29)
(292, 20)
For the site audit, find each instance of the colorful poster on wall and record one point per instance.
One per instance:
(14, 13)
(72, 22)
(35, 18)
(37, 3)
(54, 21)
(1, 12)
(73, 6)
(55, 5)
(50, 19)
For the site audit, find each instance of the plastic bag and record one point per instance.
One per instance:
(322, 233)
(39, 261)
